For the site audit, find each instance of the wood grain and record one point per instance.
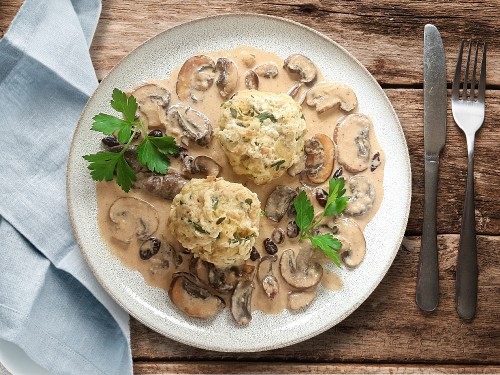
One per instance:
(388, 327)
(388, 333)
(408, 104)
(145, 368)
(393, 30)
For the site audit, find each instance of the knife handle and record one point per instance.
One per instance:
(467, 272)
(427, 295)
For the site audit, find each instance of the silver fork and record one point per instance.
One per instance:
(468, 113)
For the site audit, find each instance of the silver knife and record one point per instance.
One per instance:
(435, 104)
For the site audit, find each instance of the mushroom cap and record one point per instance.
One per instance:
(251, 80)
(324, 160)
(301, 64)
(190, 76)
(352, 137)
(298, 271)
(267, 70)
(228, 77)
(188, 124)
(152, 101)
(327, 95)
(279, 201)
(353, 241)
(362, 195)
(132, 218)
(241, 302)
(192, 299)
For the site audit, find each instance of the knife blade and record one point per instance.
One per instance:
(435, 107)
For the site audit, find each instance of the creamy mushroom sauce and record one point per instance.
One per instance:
(158, 270)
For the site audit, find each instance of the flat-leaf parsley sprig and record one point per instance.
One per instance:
(152, 151)
(305, 220)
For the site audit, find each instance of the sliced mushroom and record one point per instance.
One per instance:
(352, 137)
(251, 80)
(320, 152)
(224, 280)
(362, 195)
(152, 101)
(297, 167)
(164, 186)
(199, 268)
(279, 202)
(149, 248)
(302, 65)
(133, 217)
(228, 77)
(299, 271)
(294, 89)
(161, 261)
(327, 95)
(206, 166)
(188, 124)
(268, 281)
(353, 241)
(241, 302)
(197, 73)
(267, 70)
(192, 299)
(301, 299)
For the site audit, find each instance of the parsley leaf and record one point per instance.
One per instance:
(329, 245)
(124, 104)
(306, 221)
(336, 202)
(305, 210)
(104, 164)
(266, 115)
(278, 164)
(166, 144)
(151, 157)
(151, 151)
(108, 125)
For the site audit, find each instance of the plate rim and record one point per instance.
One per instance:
(256, 348)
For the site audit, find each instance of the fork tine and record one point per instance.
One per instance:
(473, 77)
(481, 90)
(458, 70)
(466, 77)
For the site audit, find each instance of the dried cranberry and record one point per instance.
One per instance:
(321, 197)
(155, 133)
(254, 253)
(110, 141)
(149, 248)
(270, 246)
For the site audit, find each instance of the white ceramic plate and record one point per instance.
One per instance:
(156, 59)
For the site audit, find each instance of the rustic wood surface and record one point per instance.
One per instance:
(388, 333)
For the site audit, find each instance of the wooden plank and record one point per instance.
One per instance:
(388, 326)
(393, 30)
(387, 37)
(145, 368)
(408, 105)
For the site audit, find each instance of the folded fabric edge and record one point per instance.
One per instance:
(61, 351)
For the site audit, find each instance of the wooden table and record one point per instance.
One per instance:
(388, 333)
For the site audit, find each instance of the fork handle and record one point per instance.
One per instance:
(467, 272)
(427, 295)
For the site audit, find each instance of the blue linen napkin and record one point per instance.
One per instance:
(50, 303)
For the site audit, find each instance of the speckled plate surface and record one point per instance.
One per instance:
(157, 58)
